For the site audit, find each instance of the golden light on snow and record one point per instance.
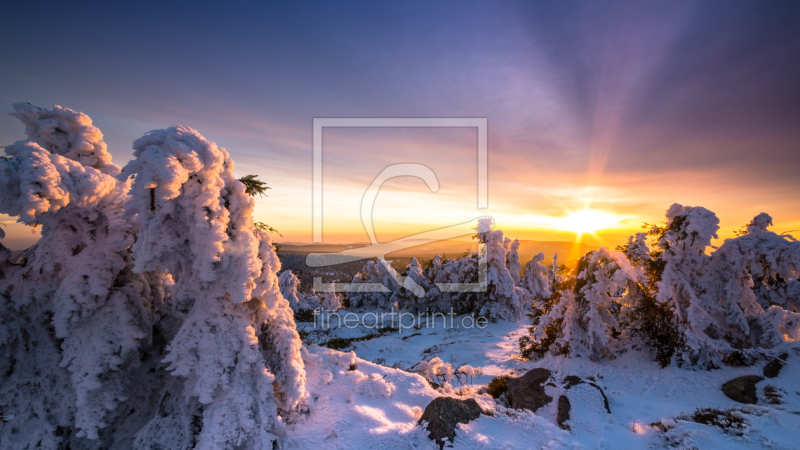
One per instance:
(382, 423)
(638, 428)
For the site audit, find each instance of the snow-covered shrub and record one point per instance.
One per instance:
(435, 371)
(442, 374)
(466, 373)
(237, 352)
(589, 314)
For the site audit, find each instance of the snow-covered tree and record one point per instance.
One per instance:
(407, 297)
(360, 294)
(503, 298)
(636, 249)
(75, 319)
(119, 282)
(330, 300)
(461, 298)
(513, 264)
(749, 274)
(682, 244)
(537, 277)
(237, 353)
(289, 286)
(591, 312)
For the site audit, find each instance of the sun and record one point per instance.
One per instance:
(588, 220)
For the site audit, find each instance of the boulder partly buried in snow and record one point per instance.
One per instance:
(773, 368)
(527, 391)
(444, 413)
(572, 381)
(742, 389)
(563, 412)
(582, 404)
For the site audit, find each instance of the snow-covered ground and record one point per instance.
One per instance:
(363, 397)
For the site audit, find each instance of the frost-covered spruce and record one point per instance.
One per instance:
(503, 298)
(636, 249)
(74, 319)
(289, 285)
(236, 356)
(460, 298)
(590, 313)
(364, 290)
(683, 242)
(752, 281)
(331, 301)
(410, 296)
(513, 264)
(537, 277)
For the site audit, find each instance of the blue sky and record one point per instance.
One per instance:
(623, 107)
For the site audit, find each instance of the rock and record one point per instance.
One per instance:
(573, 380)
(527, 391)
(563, 412)
(773, 368)
(443, 413)
(783, 356)
(742, 389)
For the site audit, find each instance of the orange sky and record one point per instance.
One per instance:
(621, 109)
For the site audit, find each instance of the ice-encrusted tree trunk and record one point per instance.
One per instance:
(236, 356)
(75, 319)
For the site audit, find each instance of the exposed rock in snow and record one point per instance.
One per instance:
(773, 368)
(527, 391)
(742, 389)
(563, 412)
(444, 413)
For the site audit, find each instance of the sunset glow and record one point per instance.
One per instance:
(589, 221)
(588, 142)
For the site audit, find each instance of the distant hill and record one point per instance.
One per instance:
(567, 251)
